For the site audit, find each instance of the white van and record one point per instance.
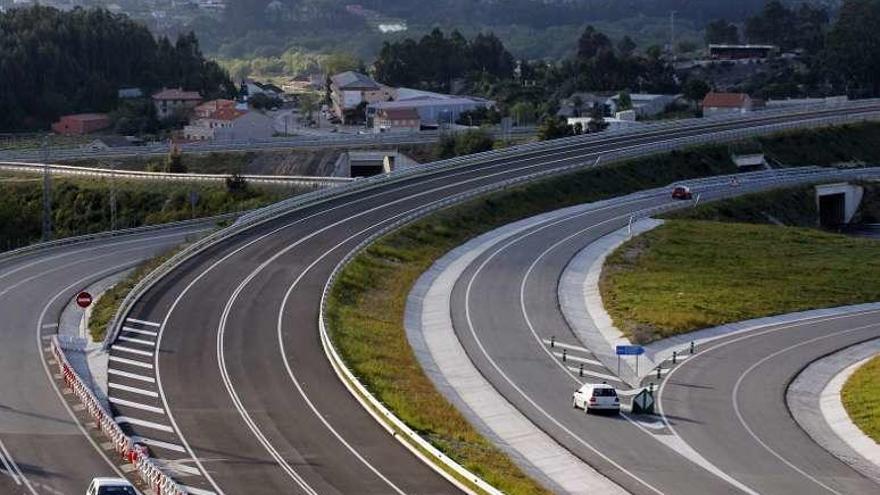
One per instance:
(596, 397)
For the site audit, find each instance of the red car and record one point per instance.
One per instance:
(682, 192)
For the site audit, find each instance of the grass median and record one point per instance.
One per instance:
(861, 398)
(693, 274)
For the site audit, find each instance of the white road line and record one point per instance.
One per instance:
(141, 332)
(177, 465)
(136, 405)
(132, 351)
(7, 467)
(587, 372)
(196, 491)
(158, 443)
(133, 376)
(132, 362)
(578, 359)
(567, 346)
(20, 478)
(142, 322)
(136, 341)
(144, 423)
(133, 390)
(49, 325)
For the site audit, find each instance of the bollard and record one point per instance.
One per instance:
(564, 355)
(674, 355)
(581, 370)
(651, 387)
(658, 372)
(692, 347)
(552, 341)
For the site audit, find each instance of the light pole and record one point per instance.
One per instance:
(47, 192)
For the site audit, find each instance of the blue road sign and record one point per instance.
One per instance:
(630, 350)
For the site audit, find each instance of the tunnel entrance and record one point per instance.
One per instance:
(832, 210)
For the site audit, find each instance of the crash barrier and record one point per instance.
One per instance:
(401, 430)
(127, 450)
(122, 174)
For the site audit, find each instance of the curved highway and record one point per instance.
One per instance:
(728, 429)
(43, 446)
(247, 401)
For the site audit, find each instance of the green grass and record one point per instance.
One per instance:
(861, 398)
(691, 274)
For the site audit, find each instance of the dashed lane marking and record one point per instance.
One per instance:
(133, 376)
(132, 362)
(568, 346)
(134, 390)
(136, 405)
(158, 443)
(136, 341)
(578, 359)
(143, 322)
(144, 423)
(139, 352)
(50, 325)
(139, 331)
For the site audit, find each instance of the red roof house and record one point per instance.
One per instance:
(82, 123)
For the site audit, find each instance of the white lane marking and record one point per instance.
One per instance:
(141, 332)
(133, 376)
(594, 374)
(806, 321)
(131, 362)
(158, 443)
(566, 346)
(132, 351)
(49, 325)
(177, 465)
(134, 390)
(196, 491)
(735, 393)
(144, 423)
(136, 405)
(143, 322)
(578, 359)
(6, 464)
(136, 341)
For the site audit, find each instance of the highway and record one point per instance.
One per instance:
(505, 311)
(246, 397)
(43, 448)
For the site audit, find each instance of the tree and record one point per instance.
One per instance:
(523, 113)
(853, 51)
(624, 101)
(262, 101)
(626, 46)
(695, 89)
(592, 43)
(554, 128)
(174, 161)
(236, 184)
(721, 32)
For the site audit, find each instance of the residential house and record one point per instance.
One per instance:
(348, 90)
(207, 108)
(228, 123)
(81, 123)
(742, 52)
(129, 93)
(174, 101)
(715, 104)
(105, 143)
(404, 119)
(434, 109)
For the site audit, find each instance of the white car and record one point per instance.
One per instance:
(111, 486)
(596, 397)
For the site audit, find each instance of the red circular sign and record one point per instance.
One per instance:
(84, 299)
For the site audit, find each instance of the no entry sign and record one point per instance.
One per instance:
(84, 299)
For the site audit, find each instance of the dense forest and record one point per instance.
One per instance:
(54, 62)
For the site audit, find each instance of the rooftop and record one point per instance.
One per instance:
(354, 80)
(86, 116)
(725, 100)
(176, 94)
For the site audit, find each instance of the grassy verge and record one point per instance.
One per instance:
(365, 309)
(691, 274)
(109, 302)
(861, 398)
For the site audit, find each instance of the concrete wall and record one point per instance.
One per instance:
(852, 197)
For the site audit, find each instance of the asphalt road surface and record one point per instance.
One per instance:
(42, 447)
(505, 312)
(244, 395)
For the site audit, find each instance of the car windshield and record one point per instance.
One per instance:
(116, 490)
(604, 392)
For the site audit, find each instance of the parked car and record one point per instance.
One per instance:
(593, 397)
(111, 486)
(682, 192)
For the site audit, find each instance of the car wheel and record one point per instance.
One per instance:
(586, 409)
(574, 403)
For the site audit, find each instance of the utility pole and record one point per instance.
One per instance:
(113, 225)
(672, 34)
(47, 193)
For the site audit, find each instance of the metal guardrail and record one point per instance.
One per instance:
(268, 213)
(285, 207)
(123, 174)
